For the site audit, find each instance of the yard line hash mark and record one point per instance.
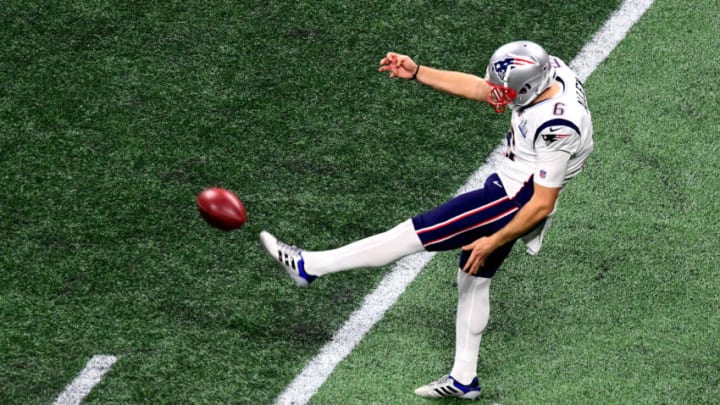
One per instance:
(88, 378)
(312, 377)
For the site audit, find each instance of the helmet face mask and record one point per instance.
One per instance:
(500, 97)
(518, 72)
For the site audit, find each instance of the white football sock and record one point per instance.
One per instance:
(473, 312)
(374, 251)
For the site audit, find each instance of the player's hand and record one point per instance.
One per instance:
(398, 65)
(479, 252)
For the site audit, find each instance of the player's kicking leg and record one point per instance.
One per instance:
(381, 249)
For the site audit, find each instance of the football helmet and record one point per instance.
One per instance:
(518, 72)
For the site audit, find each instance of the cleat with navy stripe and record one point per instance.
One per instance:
(289, 257)
(448, 387)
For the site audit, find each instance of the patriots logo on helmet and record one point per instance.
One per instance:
(502, 66)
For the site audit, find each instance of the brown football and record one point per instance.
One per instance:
(221, 208)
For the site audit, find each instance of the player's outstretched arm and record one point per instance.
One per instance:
(456, 83)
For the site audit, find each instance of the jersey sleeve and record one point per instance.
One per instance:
(555, 143)
(558, 134)
(551, 168)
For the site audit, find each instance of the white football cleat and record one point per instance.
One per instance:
(448, 387)
(289, 257)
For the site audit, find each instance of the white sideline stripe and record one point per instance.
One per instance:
(609, 36)
(88, 378)
(313, 376)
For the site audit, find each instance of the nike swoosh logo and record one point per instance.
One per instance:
(551, 129)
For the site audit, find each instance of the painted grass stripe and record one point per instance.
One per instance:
(313, 376)
(608, 37)
(88, 378)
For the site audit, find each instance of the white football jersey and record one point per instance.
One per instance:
(540, 131)
(539, 137)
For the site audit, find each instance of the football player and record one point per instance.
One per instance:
(549, 139)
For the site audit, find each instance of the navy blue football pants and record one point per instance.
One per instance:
(470, 216)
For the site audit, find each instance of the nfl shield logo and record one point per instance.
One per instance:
(543, 174)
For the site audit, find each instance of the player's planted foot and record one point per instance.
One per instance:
(289, 257)
(448, 387)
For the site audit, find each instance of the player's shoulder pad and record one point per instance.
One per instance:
(556, 129)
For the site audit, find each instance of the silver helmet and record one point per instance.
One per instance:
(518, 72)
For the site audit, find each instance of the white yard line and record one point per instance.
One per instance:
(608, 37)
(312, 377)
(88, 378)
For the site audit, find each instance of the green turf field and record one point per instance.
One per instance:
(114, 115)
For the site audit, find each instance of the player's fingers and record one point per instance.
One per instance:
(389, 58)
(469, 263)
(405, 61)
(476, 265)
(474, 262)
(470, 267)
